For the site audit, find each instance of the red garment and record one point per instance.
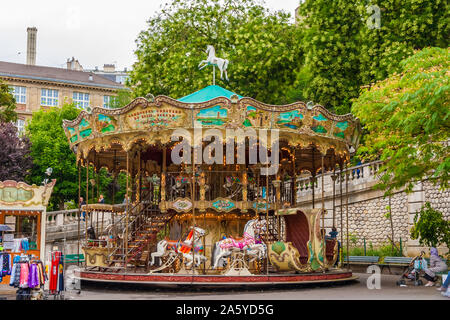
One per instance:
(54, 271)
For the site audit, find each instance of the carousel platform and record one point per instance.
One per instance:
(167, 279)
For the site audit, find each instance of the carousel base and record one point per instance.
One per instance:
(196, 280)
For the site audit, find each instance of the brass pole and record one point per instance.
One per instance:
(79, 212)
(334, 190)
(128, 212)
(323, 215)
(313, 173)
(267, 214)
(346, 211)
(193, 207)
(86, 217)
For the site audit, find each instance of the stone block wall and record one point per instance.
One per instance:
(367, 220)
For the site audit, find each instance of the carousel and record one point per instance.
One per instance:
(211, 190)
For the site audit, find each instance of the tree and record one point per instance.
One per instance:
(7, 104)
(263, 49)
(15, 160)
(430, 227)
(403, 26)
(349, 44)
(408, 121)
(331, 48)
(50, 148)
(122, 99)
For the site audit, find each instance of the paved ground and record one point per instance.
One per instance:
(356, 290)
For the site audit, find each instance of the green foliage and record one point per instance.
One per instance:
(385, 250)
(123, 98)
(408, 121)
(344, 51)
(50, 148)
(7, 104)
(430, 227)
(262, 47)
(404, 26)
(331, 29)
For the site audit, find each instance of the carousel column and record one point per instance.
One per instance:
(86, 217)
(127, 212)
(267, 213)
(193, 206)
(79, 212)
(277, 184)
(333, 178)
(313, 177)
(346, 211)
(139, 193)
(342, 216)
(113, 201)
(244, 190)
(294, 182)
(324, 252)
(162, 204)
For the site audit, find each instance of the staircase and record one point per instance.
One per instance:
(273, 234)
(145, 222)
(142, 239)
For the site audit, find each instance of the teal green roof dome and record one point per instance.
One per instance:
(208, 93)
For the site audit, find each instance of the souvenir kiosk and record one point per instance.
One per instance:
(23, 211)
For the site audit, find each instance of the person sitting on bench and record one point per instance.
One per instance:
(436, 265)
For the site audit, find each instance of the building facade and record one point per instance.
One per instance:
(35, 87)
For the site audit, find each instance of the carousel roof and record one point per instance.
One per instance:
(208, 93)
(102, 134)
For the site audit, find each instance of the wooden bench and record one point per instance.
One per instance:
(365, 260)
(73, 258)
(389, 262)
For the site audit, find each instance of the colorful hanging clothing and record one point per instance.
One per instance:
(17, 247)
(41, 274)
(17, 272)
(24, 274)
(5, 264)
(61, 274)
(33, 278)
(54, 271)
(25, 244)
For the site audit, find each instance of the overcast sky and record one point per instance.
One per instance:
(93, 31)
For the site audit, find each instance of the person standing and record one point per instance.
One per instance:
(81, 204)
(101, 199)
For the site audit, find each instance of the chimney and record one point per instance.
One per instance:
(73, 64)
(109, 68)
(31, 46)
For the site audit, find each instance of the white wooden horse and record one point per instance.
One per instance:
(222, 64)
(193, 241)
(248, 244)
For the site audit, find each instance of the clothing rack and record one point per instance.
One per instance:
(28, 276)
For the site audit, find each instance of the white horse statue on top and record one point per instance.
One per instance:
(222, 64)
(249, 244)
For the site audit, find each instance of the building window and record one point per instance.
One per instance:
(20, 124)
(49, 97)
(109, 101)
(81, 99)
(20, 94)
